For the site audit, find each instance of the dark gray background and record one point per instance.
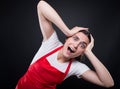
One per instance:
(20, 36)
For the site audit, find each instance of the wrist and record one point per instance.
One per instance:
(67, 32)
(88, 52)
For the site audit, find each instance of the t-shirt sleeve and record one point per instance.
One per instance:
(80, 68)
(47, 46)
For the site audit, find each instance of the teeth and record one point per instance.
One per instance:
(70, 50)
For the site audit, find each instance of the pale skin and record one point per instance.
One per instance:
(77, 41)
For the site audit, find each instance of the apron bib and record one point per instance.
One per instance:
(41, 75)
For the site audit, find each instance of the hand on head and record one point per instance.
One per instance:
(90, 45)
(76, 29)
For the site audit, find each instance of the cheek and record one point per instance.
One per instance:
(80, 51)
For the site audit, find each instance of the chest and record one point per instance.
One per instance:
(52, 59)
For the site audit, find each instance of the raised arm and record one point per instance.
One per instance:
(101, 75)
(47, 15)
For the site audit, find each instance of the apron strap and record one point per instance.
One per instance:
(67, 70)
(53, 51)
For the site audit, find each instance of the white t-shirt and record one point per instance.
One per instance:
(77, 68)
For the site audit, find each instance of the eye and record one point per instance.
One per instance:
(82, 45)
(75, 38)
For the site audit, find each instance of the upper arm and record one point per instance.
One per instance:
(92, 77)
(45, 24)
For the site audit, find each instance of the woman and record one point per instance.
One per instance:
(54, 62)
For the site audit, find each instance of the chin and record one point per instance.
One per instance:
(66, 56)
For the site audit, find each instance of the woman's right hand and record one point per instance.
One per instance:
(76, 29)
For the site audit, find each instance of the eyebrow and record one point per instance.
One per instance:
(76, 36)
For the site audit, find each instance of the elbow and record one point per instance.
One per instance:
(41, 4)
(111, 84)
(42, 7)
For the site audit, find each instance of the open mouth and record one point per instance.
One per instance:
(72, 51)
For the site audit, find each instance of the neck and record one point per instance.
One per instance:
(61, 57)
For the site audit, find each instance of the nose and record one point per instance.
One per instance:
(76, 44)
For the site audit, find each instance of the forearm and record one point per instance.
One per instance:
(101, 71)
(50, 14)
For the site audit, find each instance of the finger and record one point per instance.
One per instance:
(83, 28)
(92, 39)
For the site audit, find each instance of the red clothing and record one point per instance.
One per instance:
(41, 75)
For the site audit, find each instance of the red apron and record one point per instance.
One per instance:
(41, 75)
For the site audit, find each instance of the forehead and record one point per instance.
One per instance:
(82, 37)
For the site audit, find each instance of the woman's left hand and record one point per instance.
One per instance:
(90, 45)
